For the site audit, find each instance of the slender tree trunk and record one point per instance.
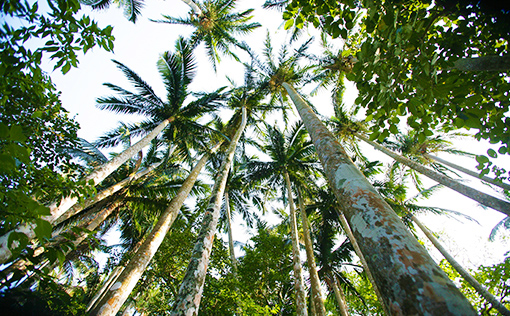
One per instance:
(468, 172)
(193, 6)
(96, 176)
(230, 238)
(468, 277)
(317, 298)
(119, 292)
(78, 207)
(340, 296)
(480, 197)
(298, 273)
(485, 63)
(409, 280)
(187, 301)
(355, 245)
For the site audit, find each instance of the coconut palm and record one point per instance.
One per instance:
(132, 8)
(291, 160)
(216, 25)
(365, 211)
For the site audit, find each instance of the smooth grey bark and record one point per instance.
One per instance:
(468, 277)
(480, 197)
(119, 292)
(193, 6)
(187, 302)
(299, 284)
(408, 278)
(468, 172)
(317, 298)
(78, 207)
(485, 63)
(57, 209)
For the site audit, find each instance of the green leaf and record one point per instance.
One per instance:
(492, 153)
(482, 159)
(43, 229)
(288, 24)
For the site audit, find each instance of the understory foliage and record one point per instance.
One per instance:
(411, 93)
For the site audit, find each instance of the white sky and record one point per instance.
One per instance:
(139, 45)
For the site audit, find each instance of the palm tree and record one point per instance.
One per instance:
(188, 299)
(392, 255)
(291, 159)
(132, 8)
(483, 198)
(216, 25)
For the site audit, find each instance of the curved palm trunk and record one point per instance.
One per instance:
(409, 280)
(355, 245)
(193, 6)
(480, 197)
(317, 298)
(78, 207)
(57, 209)
(299, 284)
(187, 301)
(468, 172)
(470, 279)
(119, 292)
(230, 238)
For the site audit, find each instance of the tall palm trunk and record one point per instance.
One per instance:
(409, 280)
(57, 209)
(468, 277)
(339, 295)
(468, 172)
(355, 245)
(78, 207)
(480, 197)
(317, 298)
(230, 238)
(119, 292)
(193, 6)
(298, 273)
(187, 301)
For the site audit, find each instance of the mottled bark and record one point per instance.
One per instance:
(299, 284)
(480, 197)
(187, 302)
(78, 207)
(119, 292)
(468, 172)
(355, 245)
(468, 277)
(57, 209)
(317, 298)
(485, 63)
(409, 280)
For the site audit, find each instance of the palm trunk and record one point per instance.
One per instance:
(298, 274)
(78, 207)
(230, 238)
(409, 280)
(470, 279)
(340, 296)
(480, 197)
(193, 6)
(485, 63)
(119, 292)
(502, 185)
(317, 298)
(187, 301)
(355, 245)
(57, 209)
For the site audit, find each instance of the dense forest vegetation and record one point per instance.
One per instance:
(334, 230)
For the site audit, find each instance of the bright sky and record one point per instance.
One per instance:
(139, 45)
